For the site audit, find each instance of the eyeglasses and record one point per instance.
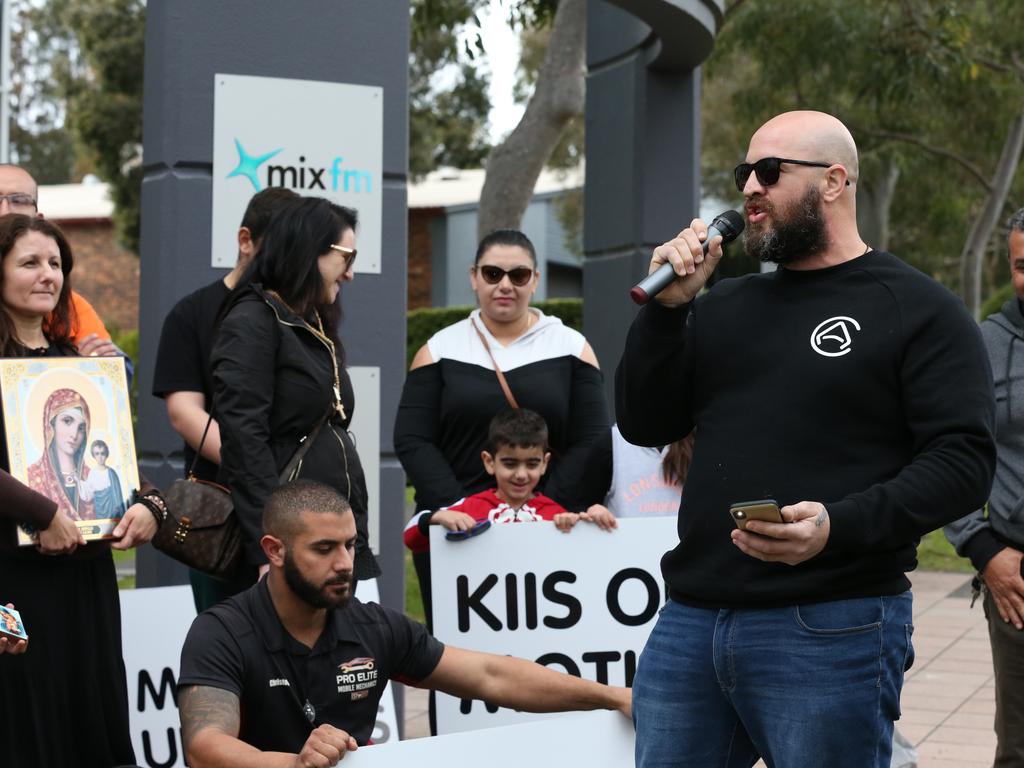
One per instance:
(19, 198)
(768, 169)
(350, 255)
(492, 275)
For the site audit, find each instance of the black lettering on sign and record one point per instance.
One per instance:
(172, 750)
(574, 609)
(600, 660)
(559, 658)
(381, 731)
(630, 662)
(167, 683)
(512, 600)
(653, 597)
(467, 601)
(466, 706)
(530, 588)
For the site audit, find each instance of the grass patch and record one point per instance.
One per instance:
(935, 553)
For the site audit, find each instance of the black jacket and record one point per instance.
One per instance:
(273, 382)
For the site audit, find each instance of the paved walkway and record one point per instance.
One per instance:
(948, 699)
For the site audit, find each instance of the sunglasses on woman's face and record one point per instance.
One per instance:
(768, 170)
(519, 276)
(348, 253)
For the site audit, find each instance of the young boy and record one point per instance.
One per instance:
(516, 455)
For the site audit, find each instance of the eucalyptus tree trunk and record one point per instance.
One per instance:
(514, 165)
(973, 254)
(874, 206)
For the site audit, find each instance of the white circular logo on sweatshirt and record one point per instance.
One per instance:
(834, 337)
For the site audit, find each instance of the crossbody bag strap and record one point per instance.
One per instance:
(497, 371)
(199, 450)
(291, 469)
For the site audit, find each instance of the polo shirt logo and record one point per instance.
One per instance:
(357, 676)
(834, 337)
(276, 681)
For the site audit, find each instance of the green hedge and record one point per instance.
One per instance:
(421, 324)
(995, 302)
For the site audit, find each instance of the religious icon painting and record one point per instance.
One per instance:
(68, 425)
(11, 625)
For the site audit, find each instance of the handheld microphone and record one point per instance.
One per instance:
(728, 225)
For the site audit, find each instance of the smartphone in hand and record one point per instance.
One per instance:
(762, 509)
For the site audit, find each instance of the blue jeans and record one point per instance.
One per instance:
(801, 686)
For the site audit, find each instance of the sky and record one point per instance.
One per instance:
(502, 45)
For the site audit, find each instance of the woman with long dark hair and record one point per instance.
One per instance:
(65, 700)
(279, 374)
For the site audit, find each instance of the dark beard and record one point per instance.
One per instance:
(309, 592)
(796, 236)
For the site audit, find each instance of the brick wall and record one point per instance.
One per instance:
(420, 253)
(104, 273)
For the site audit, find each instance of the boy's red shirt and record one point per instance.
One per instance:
(486, 506)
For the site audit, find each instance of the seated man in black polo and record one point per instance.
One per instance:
(292, 666)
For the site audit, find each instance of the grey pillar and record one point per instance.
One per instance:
(187, 42)
(643, 149)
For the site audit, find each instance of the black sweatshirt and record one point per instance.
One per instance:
(863, 386)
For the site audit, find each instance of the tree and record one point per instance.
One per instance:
(448, 103)
(912, 81)
(559, 94)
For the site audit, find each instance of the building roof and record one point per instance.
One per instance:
(439, 189)
(449, 187)
(76, 202)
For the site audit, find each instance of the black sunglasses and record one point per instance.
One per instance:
(492, 275)
(768, 169)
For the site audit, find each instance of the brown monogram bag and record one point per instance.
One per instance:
(201, 529)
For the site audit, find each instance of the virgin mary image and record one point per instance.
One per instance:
(60, 473)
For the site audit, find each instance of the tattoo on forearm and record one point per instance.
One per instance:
(820, 521)
(202, 707)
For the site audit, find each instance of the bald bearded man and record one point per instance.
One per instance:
(850, 388)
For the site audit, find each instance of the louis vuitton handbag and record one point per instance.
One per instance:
(201, 528)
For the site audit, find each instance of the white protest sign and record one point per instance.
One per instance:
(592, 739)
(154, 623)
(315, 138)
(582, 602)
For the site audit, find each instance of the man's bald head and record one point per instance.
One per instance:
(806, 135)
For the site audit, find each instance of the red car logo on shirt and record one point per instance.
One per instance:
(359, 664)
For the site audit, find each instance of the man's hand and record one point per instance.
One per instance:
(601, 516)
(9, 644)
(61, 536)
(93, 346)
(325, 747)
(453, 520)
(1003, 579)
(136, 527)
(686, 255)
(800, 538)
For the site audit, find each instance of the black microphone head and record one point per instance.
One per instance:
(730, 224)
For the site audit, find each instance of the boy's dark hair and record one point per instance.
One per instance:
(516, 428)
(262, 207)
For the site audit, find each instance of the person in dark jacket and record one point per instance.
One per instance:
(279, 374)
(995, 542)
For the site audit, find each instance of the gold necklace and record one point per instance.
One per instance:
(327, 342)
(319, 333)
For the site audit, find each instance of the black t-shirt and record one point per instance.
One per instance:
(183, 358)
(241, 646)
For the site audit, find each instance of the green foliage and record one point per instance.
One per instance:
(128, 342)
(926, 88)
(421, 324)
(935, 553)
(995, 302)
(447, 124)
